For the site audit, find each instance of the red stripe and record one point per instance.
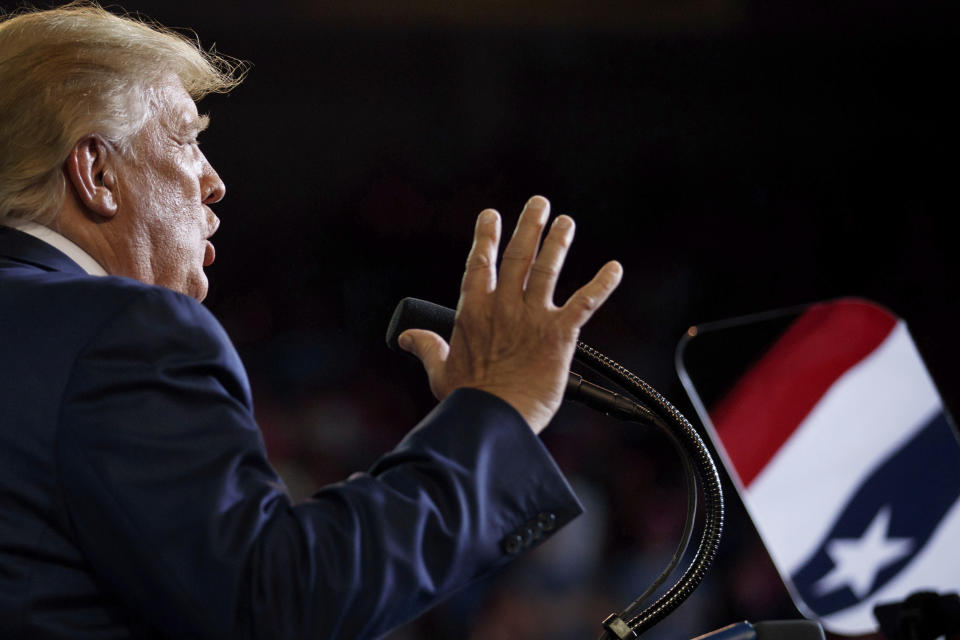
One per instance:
(772, 399)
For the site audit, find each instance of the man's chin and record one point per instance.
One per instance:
(194, 286)
(200, 290)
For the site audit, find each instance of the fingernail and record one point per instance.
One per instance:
(563, 222)
(488, 216)
(405, 341)
(543, 206)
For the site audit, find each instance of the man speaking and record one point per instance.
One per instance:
(136, 499)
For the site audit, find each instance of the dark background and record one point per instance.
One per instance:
(735, 155)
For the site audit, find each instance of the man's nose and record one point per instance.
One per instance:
(211, 184)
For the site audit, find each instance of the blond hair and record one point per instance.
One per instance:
(78, 70)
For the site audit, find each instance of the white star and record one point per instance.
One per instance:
(858, 561)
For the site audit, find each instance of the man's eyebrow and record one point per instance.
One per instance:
(191, 127)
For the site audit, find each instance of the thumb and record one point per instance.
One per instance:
(429, 348)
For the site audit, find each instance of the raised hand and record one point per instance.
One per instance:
(509, 338)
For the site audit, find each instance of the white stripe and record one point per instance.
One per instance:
(866, 415)
(935, 568)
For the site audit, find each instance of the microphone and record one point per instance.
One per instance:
(697, 463)
(413, 313)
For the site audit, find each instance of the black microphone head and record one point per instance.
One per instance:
(412, 313)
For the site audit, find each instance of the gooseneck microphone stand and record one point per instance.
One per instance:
(636, 402)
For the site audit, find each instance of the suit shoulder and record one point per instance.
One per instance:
(90, 300)
(141, 311)
(161, 330)
(60, 313)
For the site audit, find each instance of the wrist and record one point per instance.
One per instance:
(534, 412)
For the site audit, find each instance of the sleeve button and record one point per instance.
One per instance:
(547, 521)
(528, 536)
(512, 544)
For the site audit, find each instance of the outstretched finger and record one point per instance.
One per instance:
(588, 298)
(546, 267)
(522, 248)
(480, 274)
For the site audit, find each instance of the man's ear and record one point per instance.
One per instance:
(90, 169)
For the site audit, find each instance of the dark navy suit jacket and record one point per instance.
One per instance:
(136, 499)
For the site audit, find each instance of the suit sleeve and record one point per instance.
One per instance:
(174, 503)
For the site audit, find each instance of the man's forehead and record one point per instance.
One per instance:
(180, 109)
